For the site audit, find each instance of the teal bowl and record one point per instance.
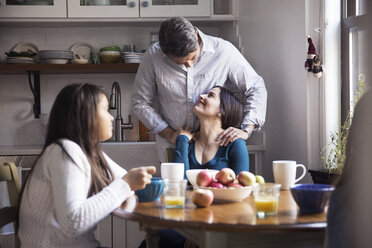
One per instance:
(152, 191)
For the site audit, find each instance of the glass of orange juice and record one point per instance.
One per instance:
(266, 197)
(174, 193)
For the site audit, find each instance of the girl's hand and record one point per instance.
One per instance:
(187, 132)
(137, 178)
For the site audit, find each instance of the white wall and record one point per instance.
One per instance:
(273, 36)
(17, 123)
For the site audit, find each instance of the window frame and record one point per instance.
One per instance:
(350, 19)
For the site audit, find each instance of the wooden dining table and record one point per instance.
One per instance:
(229, 224)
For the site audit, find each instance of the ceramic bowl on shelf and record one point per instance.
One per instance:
(109, 57)
(229, 194)
(82, 52)
(56, 61)
(191, 175)
(312, 198)
(110, 49)
(80, 61)
(56, 56)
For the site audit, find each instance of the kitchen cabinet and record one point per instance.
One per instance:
(138, 8)
(165, 8)
(115, 9)
(103, 8)
(33, 8)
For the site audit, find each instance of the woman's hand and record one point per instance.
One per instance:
(187, 132)
(137, 178)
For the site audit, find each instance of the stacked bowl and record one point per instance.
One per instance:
(131, 57)
(109, 55)
(56, 56)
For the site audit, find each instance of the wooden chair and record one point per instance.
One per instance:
(170, 154)
(9, 173)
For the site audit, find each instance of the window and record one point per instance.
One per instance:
(353, 47)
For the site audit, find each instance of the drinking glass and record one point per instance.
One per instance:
(174, 193)
(266, 199)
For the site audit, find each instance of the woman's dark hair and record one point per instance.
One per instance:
(177, 37)
(231, 109)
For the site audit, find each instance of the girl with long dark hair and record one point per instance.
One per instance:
(73, 184)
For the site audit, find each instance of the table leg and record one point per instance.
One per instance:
(205, 239)
(213, 240)
(152, 238)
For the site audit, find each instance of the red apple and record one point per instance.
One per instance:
(203, 178)
(225, 176)
(234, 185)
(246, 178)
(214, 180)
(216, 185)
(202, 197)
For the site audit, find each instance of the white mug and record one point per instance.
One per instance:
(285, 172)
(174, 171)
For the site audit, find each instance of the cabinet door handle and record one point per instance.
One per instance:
(145, 4)
(132, 4)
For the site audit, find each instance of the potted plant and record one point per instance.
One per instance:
(334, 153)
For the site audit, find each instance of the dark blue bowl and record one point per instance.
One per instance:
(312, 198)
(152, 191)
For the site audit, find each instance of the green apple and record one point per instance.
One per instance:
(260, 179)
(246, 178)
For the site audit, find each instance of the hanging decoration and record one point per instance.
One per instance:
(313, 63)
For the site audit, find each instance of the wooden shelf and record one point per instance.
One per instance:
(68, 68)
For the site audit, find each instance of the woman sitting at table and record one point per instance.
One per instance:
(73, 184)
(217, 110)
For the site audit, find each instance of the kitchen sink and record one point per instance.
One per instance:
(133, 154)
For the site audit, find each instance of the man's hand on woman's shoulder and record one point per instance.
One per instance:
(231, 134)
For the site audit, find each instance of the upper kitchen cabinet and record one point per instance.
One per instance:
(115, 10)
(138, 8)
(33, 8)
(166, 8)
(103, 8)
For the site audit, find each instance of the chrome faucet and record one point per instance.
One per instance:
(115, 103)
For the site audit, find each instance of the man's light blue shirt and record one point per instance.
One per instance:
(174, 89)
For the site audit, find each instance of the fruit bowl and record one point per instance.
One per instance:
(312, 198)
(191, 175)
(230, 194)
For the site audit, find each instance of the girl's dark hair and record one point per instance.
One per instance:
(74, 117)
(177, 37)
(231, 109)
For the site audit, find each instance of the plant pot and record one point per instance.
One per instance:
(324, 177)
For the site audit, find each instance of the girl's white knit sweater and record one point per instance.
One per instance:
(56, 210)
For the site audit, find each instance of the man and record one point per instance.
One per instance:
(184, 64)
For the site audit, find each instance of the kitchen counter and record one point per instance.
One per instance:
(35, 150)
(134, 154)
